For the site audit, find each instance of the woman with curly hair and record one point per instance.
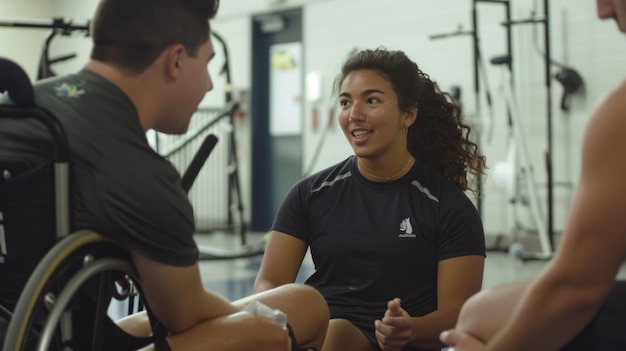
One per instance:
(397, 245)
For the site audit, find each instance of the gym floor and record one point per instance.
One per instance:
(234, 278)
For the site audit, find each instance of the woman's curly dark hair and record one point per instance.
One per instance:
(439, 137)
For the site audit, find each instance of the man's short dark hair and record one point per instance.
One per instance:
(131, 34)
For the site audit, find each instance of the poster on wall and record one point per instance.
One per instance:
(286, 89)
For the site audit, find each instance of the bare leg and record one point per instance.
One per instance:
(306, 311)
(486, 312)
(238, 331)
(137, 324)
(344, 336)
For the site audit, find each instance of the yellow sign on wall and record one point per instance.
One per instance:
(283, 61)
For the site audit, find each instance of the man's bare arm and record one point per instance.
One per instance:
(568, 293)
(177, 296)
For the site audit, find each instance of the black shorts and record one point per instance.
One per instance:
(607, 330)
(365, 323)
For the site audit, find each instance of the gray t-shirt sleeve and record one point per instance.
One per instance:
(145, 202)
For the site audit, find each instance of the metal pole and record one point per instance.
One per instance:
(548, 79)
(479, 201)
(56, 23)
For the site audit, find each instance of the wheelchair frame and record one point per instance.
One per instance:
(87, 254)
(77, 262)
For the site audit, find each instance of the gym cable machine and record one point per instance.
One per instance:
(57, 26)
(568, 77)
(479, 72)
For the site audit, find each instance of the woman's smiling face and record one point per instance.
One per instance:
(369, 114)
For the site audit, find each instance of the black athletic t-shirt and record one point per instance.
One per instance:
(371, 242)
(121, 187)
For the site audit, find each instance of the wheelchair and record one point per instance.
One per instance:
(56, 286)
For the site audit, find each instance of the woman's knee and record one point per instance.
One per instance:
(306, 309)
(310, 305)
(315, 300)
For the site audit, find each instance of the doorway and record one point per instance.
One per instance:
(276, 102)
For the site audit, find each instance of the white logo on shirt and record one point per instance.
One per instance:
(406, 229)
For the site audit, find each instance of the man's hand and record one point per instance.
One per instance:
(461, 341)
(395, 329)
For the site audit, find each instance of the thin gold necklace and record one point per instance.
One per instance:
(384, 179)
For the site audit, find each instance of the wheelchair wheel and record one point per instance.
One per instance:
(64, 303)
